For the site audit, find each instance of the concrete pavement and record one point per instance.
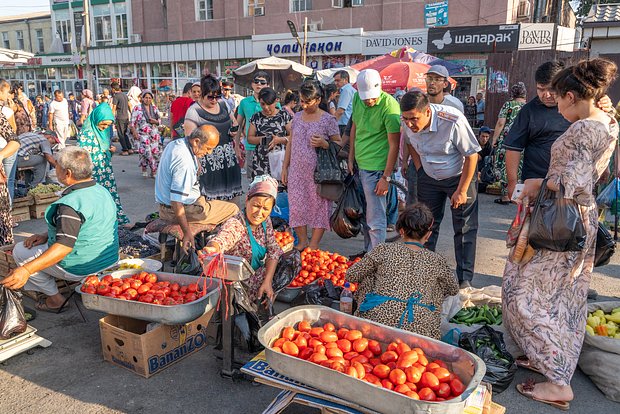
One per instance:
(71, 376)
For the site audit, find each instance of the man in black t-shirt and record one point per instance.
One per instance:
(120, 107)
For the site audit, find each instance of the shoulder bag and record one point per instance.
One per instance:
(327, 170)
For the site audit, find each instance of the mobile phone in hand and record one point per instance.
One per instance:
(517, 192)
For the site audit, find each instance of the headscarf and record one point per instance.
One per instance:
(103, 112)
(263, 184)
(134, 96)
(518, 90)
(87, 93)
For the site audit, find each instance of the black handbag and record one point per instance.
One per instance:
(605, 246)
(556, 223)
(328, 169)
(487, 173)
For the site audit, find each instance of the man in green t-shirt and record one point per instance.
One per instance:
(248, 107)
(375, 138)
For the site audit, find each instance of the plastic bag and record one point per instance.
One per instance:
(556, 223)
(12, 317)
(288, 267)
(315, 294)
(489, 345)
(610, 194)
(600, 357)
(188, 263)
(276, 158)
(605, 246)
(340, 222)
(328, 169)
(487, 173)
(353, 206)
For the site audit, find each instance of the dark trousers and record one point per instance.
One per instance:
(121, 129)
(434, 194)
(412, 184)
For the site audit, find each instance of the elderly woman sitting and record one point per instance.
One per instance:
(250, 235)
(82, 236)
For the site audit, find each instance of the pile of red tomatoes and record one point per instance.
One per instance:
(143, 287)
(397, 368)
(320, 265)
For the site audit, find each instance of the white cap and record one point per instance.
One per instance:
(369, 84)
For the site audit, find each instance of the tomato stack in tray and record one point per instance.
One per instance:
(143, 287)
(320, 265)
(397, 368)
(284, 239)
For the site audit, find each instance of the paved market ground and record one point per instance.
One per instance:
(71, 376)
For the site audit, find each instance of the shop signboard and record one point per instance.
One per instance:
(347, 41)
(536, 36)
(380, 43)
(436, 14)
(476, 39)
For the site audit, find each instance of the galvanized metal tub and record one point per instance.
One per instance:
(168, 315)
(237, 268)
(466, 365)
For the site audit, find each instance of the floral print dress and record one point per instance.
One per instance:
(234, 240)
(274, 126)
(6, 220)
(150, 145)
(545, 300)
(509, 111)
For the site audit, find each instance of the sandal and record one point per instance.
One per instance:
(523, 362)
(502, 202)
(527, 390)
(44, 307)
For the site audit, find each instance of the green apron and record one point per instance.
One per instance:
(258, 252)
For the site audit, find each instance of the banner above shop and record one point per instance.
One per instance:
(328, 42)
(380, 43)
(536, 36)
(477, 39)
(55, 60)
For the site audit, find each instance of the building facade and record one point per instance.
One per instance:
(30, 32)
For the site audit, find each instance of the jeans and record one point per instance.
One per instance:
(121, 131)
(10, 168)
(375, 223)
(38, 163)
(434, 193)
(392, 205)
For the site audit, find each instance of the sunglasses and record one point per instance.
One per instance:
(214, 97)
(227, 89)
(260, 81)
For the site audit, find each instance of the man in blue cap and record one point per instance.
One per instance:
(436, 83)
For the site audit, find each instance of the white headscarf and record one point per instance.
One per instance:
(134, 96)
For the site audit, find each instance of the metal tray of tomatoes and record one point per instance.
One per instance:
(237, 268)
(467, 366)
(167, 315)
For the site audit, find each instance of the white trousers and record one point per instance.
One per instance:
(45, 280)
(62, 131)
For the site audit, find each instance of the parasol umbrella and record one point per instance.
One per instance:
(285, 74)
(405, 75)
(326, 76)
(407, 54)
(9, 56)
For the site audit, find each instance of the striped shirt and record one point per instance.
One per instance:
(32, 143)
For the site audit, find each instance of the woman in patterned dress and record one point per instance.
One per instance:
(145, 129)
(8, 147)
(95, 139)
(506, 117)
(392, 273)
(545, 299)
(270, 130)
(250, 235)
(221, 172)
(311, 129)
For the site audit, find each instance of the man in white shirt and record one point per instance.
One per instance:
(436, 82)
(59, 118)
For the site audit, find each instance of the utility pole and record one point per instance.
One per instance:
(305, 45)
(89, 73)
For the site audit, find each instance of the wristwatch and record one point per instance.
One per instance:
(386, 178)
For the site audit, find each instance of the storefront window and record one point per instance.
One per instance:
(67, 73)
(209, 66)
(127, 71)
(161, 70)
(51, 73)
(40, 73)
(108, 71)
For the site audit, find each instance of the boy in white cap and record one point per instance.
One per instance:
(375, 138)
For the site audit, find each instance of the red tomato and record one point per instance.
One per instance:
(441, 363)
(290, 348)
(361, 371)
(402, 389)
(304, 326)
(349, 356)
(278, 342)
(301, 342)
(150, 278)
(360, 358)
(333, 352)
(444, 390)
(190, 297)
(432, 366)
(387, 384)
(142, 289)
(91, 280)
(429, 380)
(110, 295)
(317, 358)
(169, 302)
(305, 353)
(342, 333)
(132, 293)
(407, 359)
(367, 367)
(402, 348)
(344, 345)
(118, 283)
(411, 386)
(329, 327)
(413, 374)
(115, 290)
(371, 378)
(174, 287)
(389, 356)
(316, 331)
(374, 347)
(457, 387)
(368, 354)
(351, 372)
(183, 289)
(422, 360)
(398, 377)
(288, 333)
(148, 298)
(412, 394)
(393, 346)
(442, 374)
(353, 335)
(381, 371)
(103, 290)
(135, 284)
(125, 286)
(374, 361)
(360, 345)
(328, 336)
(107, 278)
(121, 297)
(426, 394)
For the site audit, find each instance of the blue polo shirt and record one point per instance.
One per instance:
(177, 174)
(346, 102)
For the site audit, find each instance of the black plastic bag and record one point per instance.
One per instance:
(555, 223)
(316, 294)
(489, 345)
(12, 317)
(353, 206)
(279, 224)
(487, 173)
(340, 222)
(188, 263)
(328, 169)
(605, 246)
(288, 267)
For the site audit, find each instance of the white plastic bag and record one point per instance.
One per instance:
(276, 159)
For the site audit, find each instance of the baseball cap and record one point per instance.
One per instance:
(485, 129)
(52, 134)
(369, 84)
(438, 70)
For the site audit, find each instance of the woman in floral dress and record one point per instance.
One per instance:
(311, 129)
(250, 235)
(506, 117)
(145, 129)
(8, 147)
(545, 299)
(95, 139)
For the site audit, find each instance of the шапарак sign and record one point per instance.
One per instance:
(474, 39)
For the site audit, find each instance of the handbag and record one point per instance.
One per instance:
(556, 222)
(327, 170)
(487, 173)
(605, 246)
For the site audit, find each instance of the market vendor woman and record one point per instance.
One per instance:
(250, 235)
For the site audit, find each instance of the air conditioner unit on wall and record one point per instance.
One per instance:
(337, 4)
(524, 9)
(314, 27)
(259, 11)
(135, 38)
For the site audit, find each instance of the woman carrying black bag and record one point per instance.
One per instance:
(545, 298)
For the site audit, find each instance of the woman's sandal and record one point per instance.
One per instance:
(523, 362)
(44, 307)
(527, 390)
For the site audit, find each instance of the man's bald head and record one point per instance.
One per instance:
(204, 139)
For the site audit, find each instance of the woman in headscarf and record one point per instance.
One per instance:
(87, 104)
(95, 139)
(250, 235)
(133, 95)
(145, 129)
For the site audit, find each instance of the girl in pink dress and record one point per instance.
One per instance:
(311, 129)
